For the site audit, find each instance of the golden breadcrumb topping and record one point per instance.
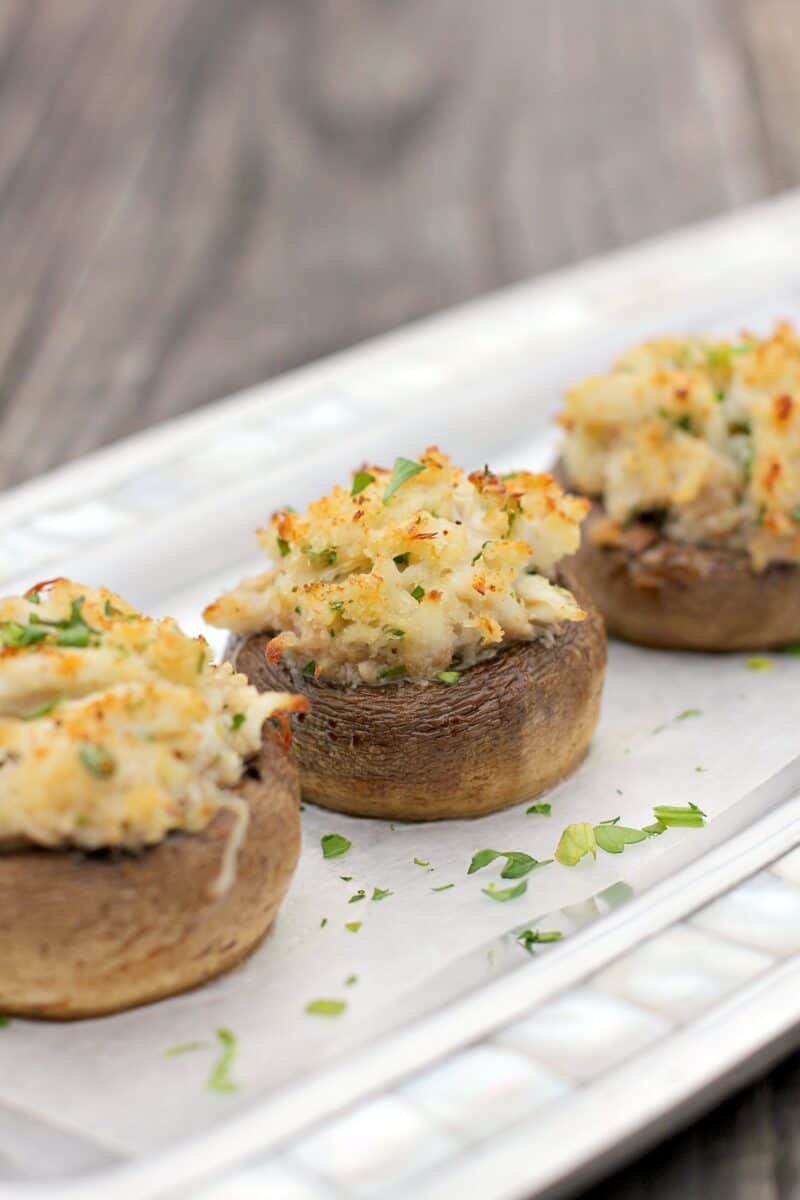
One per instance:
(704, 434)
(410, 572)
(114, 728)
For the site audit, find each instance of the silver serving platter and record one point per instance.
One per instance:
(678, 978)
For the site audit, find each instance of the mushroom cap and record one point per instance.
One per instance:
(87, 934)
(674, 596)
(512, 726)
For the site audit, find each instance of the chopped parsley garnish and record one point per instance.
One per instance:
(421, 862)
(503, 894)
(309, 669)
(537, 937)
(220, 1078)
(402, 560)
(392, 672)
(360, 895)
(237, 721)
(380, 893)
(184, 1048)
(74, 631)
(793, 649)
(688, 712)
(689, 817)
(346, 878)
(396, 633)
(403, 470)
(283, 547)
(336, 605)
(418, 593)
(97, 760)
(5, 1021)
(326, 1008)
(444, 887)
(334, 845)
(361, 480)
(613, 838)
(323, 922)
(351, 979)
(575, 843)
(448, 677)
(542, 810)
(44, 710)
(517, 865)
(353, 926)
(16, 636)
(325, 557)
(756, 663)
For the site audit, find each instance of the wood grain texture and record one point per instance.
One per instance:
(200, 194)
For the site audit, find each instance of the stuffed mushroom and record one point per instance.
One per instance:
(149, 815)
(453, 667)
(690, 451)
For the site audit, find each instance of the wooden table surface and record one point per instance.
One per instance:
(202, 193)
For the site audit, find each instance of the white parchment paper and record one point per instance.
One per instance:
(109, 1079)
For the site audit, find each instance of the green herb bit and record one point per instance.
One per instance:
(283, 547)
(517, 862)
(75, 631)
(323, 922)
(97, 760)
(537, 937)
(396, 633)
(575, 843)
(795, 513)
(541, 810)
(689, 712)
(353, 926)
(336, 605)
(184, 1048)
(16, 636)
(360, 895)
(380, 893)
(237, 721)
(444, 887)
(503, 894)
(326, 1008)
(418, 593)
(392, 673)
(448, 677)
(756, 663)
(402, 560)
(334, 845)
(690, 817)
(613, 838)
(792, 649)
(361, 480)
(403, 470)
(351, 979)
(346, 878)
(309, 670)
(421, 862)
(220, 1078)
(5, 1021)
(44, 710)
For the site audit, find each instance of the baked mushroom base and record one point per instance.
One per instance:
(511, 727)
(83, 935)
(674, 596)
